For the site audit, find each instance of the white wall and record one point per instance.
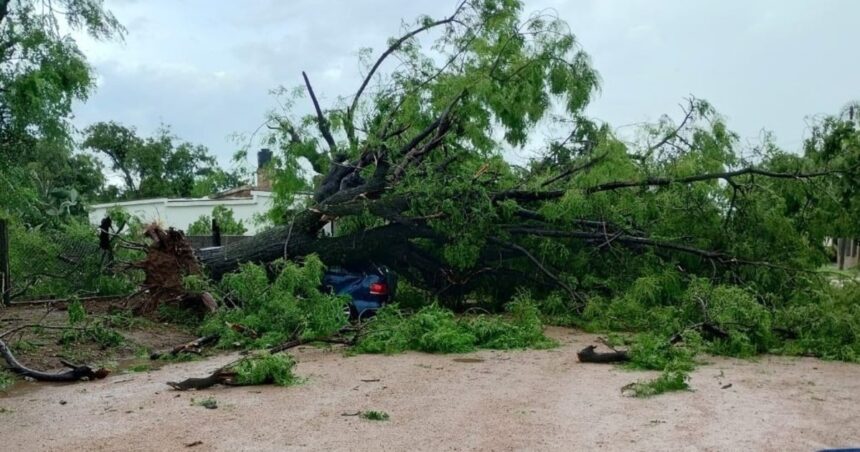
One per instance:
(179, 213)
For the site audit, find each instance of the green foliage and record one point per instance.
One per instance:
(373, 415)
(7, 379)
(62, 261)
(82, 329)
(824, 323)
(271, 312)
(42, 74)
(143, 367)
(652, 352)
(265, 368)
(159, 165)
(522, 327)
(224, 216)
(434, 329)
(669, 380)
(76, 312)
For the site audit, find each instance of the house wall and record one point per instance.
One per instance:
(180, 213)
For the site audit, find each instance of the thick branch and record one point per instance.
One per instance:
(322, 122)
(75, 373)
(663, 181)
(542, 195)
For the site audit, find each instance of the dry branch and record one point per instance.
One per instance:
(75, 372)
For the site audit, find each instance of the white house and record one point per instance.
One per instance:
(246, 202)
(181, 212)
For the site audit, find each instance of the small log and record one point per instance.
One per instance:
(588, 355)
(222, 376)
(75, 373)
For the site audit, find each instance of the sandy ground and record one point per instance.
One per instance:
(519, 400)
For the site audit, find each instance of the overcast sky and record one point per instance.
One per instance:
(205, 67)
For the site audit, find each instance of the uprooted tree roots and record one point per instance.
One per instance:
(169, 258)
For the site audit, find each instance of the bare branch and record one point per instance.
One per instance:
(391, 49)
(322, 122)
(688, 115)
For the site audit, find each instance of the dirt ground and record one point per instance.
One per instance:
(518, 400)
(41, 348)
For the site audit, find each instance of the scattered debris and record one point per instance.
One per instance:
(209, 403)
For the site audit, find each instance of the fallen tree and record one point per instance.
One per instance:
(412, 176)
(417, 170)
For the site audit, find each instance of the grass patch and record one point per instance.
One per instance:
(7, 379)
(375, 415)
(139, 368)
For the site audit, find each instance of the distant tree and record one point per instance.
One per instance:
(160, 165)
(224, 217)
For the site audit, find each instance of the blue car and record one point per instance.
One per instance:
(368, 288)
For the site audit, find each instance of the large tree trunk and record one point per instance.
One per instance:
(387, 245)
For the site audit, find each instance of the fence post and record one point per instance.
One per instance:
(5, 277)
(216, 233)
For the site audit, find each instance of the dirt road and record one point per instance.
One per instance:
(520, 400)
